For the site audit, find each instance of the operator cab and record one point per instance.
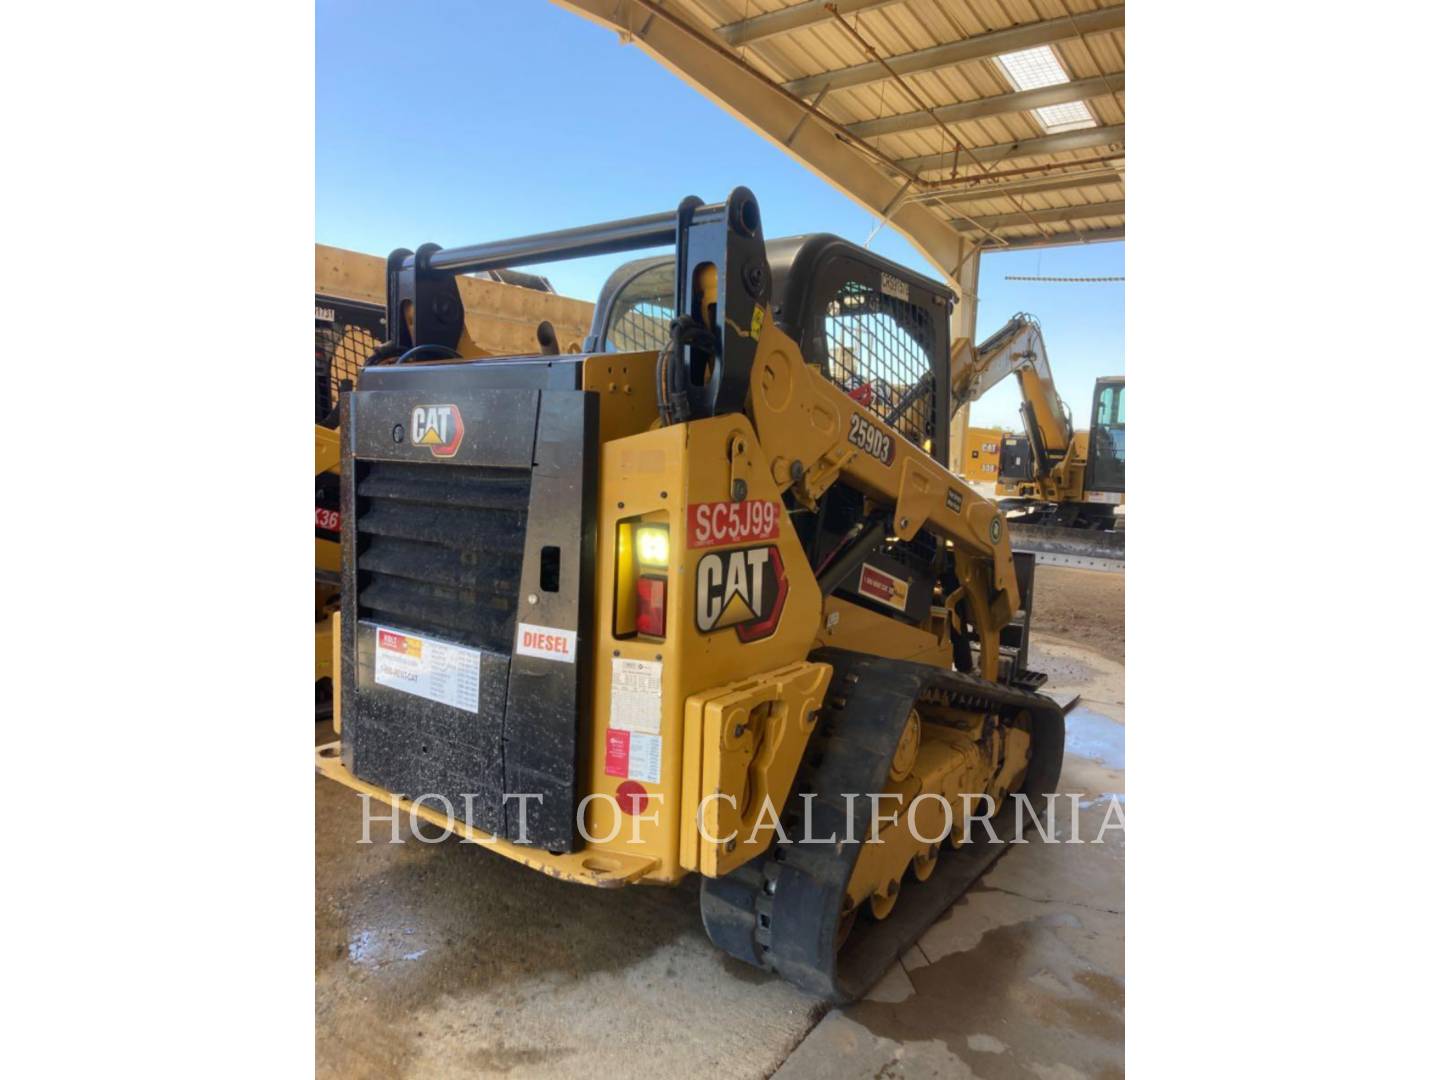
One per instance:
(1105, 464)
(877, 329)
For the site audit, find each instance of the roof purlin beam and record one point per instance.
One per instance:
(1062, 142)
(1046, 214)
(1089, 236)
(1034, 186)
(997, 105)
(978, 47)
(787, 20)
(703, 62)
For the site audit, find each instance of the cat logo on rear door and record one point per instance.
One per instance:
(744, 588)
(438, 427)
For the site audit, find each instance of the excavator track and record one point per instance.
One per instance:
(784, 911)
(1058, 545)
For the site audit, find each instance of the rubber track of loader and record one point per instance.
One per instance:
(781, 910)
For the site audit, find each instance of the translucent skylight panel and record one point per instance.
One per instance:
(1068, 117)
(1033, 68)
(1030, 69)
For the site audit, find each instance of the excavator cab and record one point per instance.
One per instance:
(1105, 462)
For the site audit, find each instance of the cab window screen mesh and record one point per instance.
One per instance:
(343, 340)
(878, 351)
(641, 314)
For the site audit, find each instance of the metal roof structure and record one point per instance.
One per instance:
(908, 107)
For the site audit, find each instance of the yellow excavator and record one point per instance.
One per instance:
(1051, 476)
(699, 599)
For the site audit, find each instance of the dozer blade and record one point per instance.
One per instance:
(785, 911)
(1055, 545)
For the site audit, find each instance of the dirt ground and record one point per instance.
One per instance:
(1086, 607)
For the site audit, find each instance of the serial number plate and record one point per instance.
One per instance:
(715, 523)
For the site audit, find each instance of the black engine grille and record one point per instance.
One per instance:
(439, 549)
(456, 551)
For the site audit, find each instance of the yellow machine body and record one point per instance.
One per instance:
(980, 456)
(759, 650)
(736, 715)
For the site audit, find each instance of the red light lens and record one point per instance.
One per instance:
(650, 606)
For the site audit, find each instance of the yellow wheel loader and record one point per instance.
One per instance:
(699, 599)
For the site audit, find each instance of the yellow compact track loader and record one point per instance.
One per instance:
(346, 333)
(700, 598)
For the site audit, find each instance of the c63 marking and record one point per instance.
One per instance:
(872, 440)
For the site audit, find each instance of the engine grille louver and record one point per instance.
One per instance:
(439, 551)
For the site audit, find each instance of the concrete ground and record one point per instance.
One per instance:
(437, 960)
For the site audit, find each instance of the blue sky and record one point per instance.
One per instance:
(457, 121)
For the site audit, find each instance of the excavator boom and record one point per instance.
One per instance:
(1017, 348)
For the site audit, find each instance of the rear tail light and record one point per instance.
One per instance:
(642, 571)
(650, 606)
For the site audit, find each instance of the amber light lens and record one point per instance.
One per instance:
(650, 606)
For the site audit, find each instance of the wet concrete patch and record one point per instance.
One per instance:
(449, 960)
(1024, 977)
(966, 998)
(1095, 736)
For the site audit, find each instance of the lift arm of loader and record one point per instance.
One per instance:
(812, 434)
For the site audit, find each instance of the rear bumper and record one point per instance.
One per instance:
(599, 869)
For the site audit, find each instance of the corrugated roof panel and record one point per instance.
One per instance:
(819, 45)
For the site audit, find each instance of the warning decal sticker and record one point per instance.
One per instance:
(635, 695)
(645, 757)
(633, 755)
(617, 752)
(887, 588)
(437, 670)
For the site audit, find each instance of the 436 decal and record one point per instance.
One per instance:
(871, 439)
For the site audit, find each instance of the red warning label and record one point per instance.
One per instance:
(887, 588)
(617, 752)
